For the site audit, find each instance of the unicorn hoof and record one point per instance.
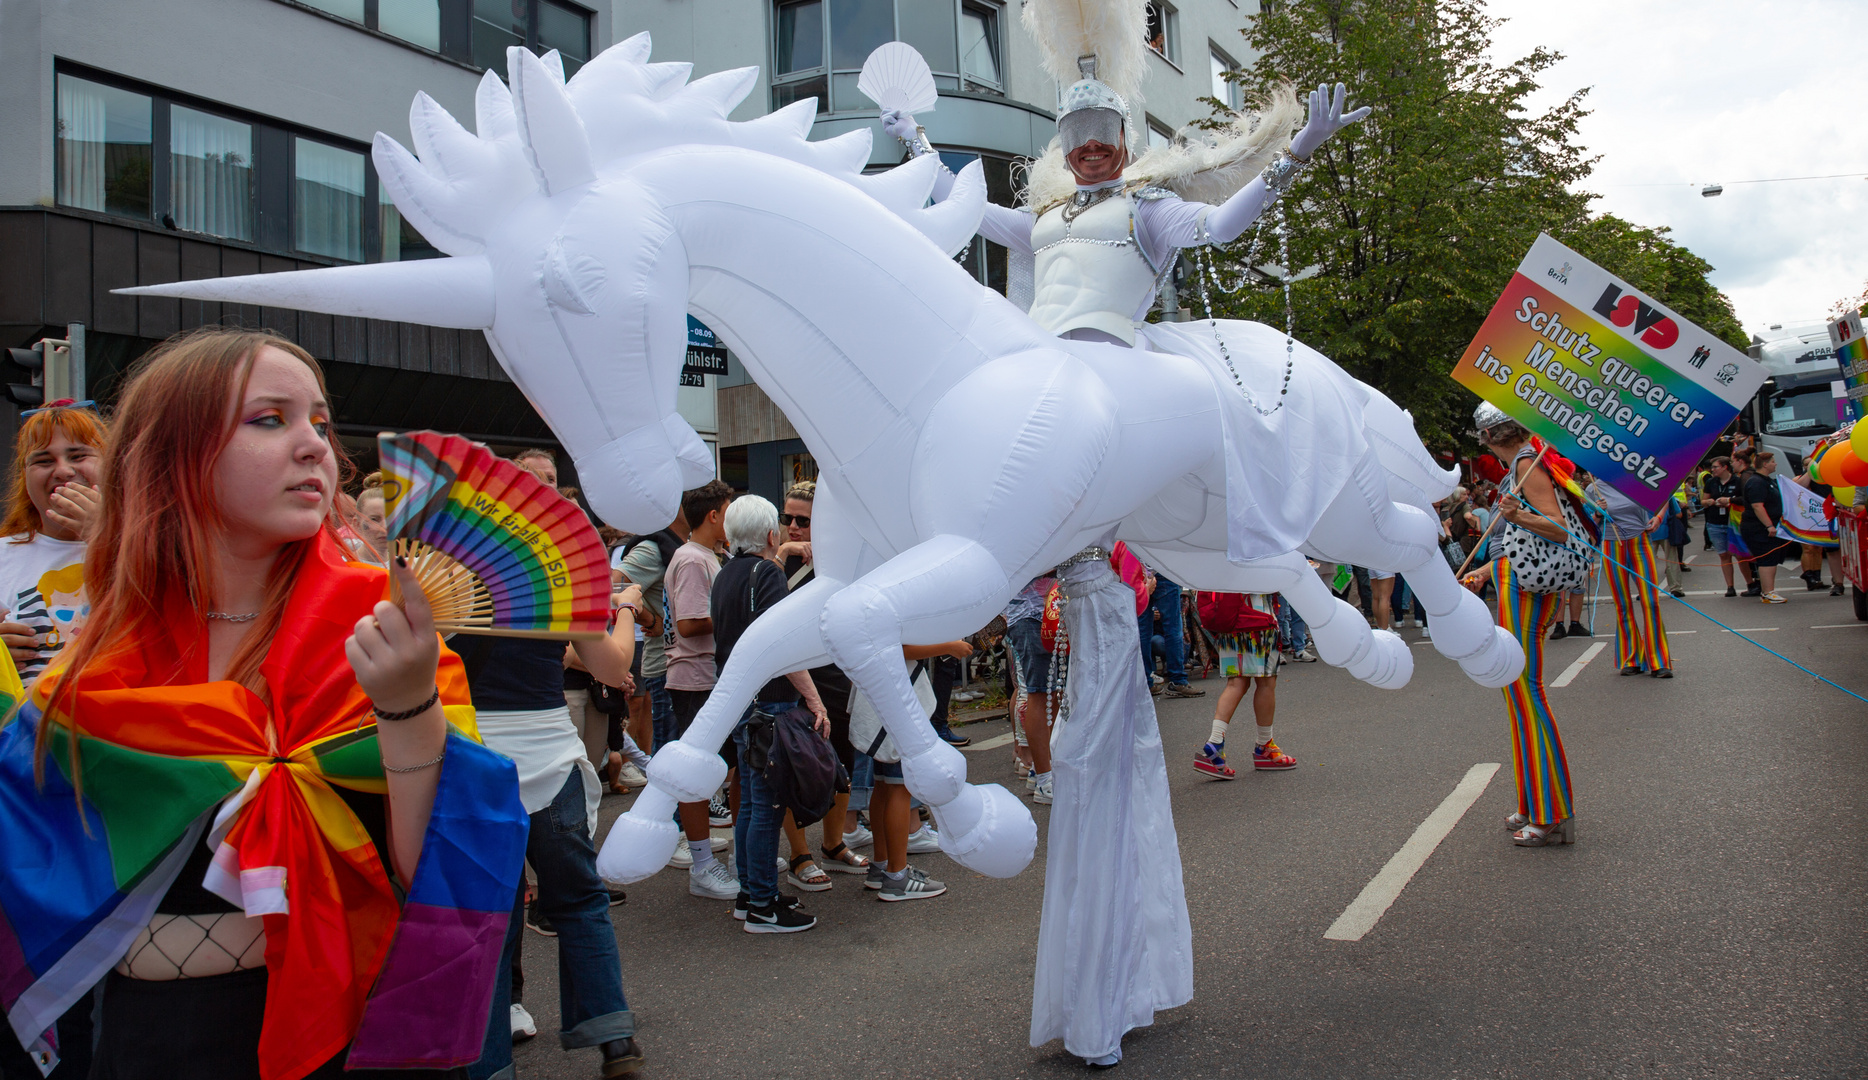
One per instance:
(1497, 666)
(1388, 664)
(639, 844)
(989, 830)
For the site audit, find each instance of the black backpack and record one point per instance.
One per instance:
(799, 764)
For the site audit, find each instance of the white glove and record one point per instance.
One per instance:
(901, 125)
(1326, 119)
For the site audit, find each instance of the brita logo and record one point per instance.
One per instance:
(1561, 274)
(1656, 329)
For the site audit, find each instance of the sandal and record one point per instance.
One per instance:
(1514, 822)
(842, 860)
(1563, 832)
(812, 878)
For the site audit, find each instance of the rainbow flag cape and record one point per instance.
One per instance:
(165, 757)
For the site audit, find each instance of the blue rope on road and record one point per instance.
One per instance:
(1605, 558)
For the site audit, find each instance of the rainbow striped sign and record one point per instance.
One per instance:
(1615, 381)
(1845, 336)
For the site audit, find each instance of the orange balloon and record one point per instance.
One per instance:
(1851, 471)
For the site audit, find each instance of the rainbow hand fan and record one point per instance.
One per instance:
(496, 551)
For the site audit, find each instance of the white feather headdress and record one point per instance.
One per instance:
(1113, 31)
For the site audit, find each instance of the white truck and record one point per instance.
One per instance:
(1802, 396)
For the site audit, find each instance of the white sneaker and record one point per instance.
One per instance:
(631, 777)
(719, 843)
(715, 882)
(923, 840)
(858, 837)
(683, 858)
(1041, 792)
(523, 1026)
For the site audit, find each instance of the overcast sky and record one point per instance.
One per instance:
(1717, 91)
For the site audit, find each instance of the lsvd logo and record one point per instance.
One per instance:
(1655, 328)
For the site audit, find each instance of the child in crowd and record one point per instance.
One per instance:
(1245, 629)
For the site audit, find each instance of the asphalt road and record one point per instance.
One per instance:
(1708, 923)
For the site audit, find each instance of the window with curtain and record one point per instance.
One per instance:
(566, 29)
(417, 22)
(979, 44)
(104, 148)
(210, 173)
(327, 200)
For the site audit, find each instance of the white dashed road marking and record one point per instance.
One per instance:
(1570, 673)
(1367, 909)
(989, 744)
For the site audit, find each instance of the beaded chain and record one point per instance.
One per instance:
(1206, 274)
(1058, 710)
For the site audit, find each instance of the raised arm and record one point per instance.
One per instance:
(1002, 224)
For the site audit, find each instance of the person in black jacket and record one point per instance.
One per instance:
(746, 588)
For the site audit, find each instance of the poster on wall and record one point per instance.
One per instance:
(1612, 379)
(1845, 337)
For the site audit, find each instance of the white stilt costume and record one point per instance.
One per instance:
(1115, 943)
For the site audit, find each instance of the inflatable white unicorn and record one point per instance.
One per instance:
(962, 451)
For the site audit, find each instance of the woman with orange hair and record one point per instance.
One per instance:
(207, 797)
(51, 500)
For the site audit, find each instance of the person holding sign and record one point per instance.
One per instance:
(1537, 565)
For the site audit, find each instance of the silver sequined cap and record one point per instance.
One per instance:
(1488, 415)
(1092, 94)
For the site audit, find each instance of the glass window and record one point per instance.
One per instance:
(928, 26)
(343, 9)
(566, 29)
(1161, 20)
(800, 37)
(497, 26)
(1807, 410)
(104, 148)
(1223, 88)
(979, 44)
(857, 27)
(1158, 135)
(210, 173)
(417, 22)
(327, 200)
(785, 93)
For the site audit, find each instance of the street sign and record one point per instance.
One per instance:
(1627, 388)
(1845, 336)
(705, 354)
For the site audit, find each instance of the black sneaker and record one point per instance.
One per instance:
(537, 922)
(719, 814)
(621, 1057)
(617, 896)
(1730, 592)
(1559, 633)
(1753, 589)
(743, 903)
(1579, 630)
(778, 918)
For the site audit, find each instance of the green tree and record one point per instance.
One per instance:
(1418, 215)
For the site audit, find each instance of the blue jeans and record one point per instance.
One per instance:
(756, 826)
(1404, 598)
(661, 710)
(1291, 627)
(1166, 600)
(590, 975)
(862, 785)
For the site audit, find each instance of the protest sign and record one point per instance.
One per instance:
(1845, 336)
(1614, 380)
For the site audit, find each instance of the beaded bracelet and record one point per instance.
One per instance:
(408, 714)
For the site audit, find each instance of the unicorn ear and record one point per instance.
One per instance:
(905, 188)
(454, 292)
(554, 65)
(553, 137)
(950, 224)
(634, 48)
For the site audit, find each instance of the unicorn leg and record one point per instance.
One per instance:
(689, 769)
(939, 590)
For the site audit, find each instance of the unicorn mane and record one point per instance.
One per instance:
(546, 134)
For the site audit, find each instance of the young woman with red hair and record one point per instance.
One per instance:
(52, 498)
(228, 628)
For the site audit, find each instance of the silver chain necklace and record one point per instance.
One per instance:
(1206, 272)
(247, 617)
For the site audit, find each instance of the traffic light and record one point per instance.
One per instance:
(56, 366)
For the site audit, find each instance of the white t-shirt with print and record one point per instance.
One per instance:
(42, 586)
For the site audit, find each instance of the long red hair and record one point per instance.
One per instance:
(158, 534)
(35, 434)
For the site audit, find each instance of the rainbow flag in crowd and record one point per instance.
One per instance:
(165, 757)
(1802, 519)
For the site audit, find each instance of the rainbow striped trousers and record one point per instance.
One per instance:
(1637, 601)
(1536, 747)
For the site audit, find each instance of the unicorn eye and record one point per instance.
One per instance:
(571, 280)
